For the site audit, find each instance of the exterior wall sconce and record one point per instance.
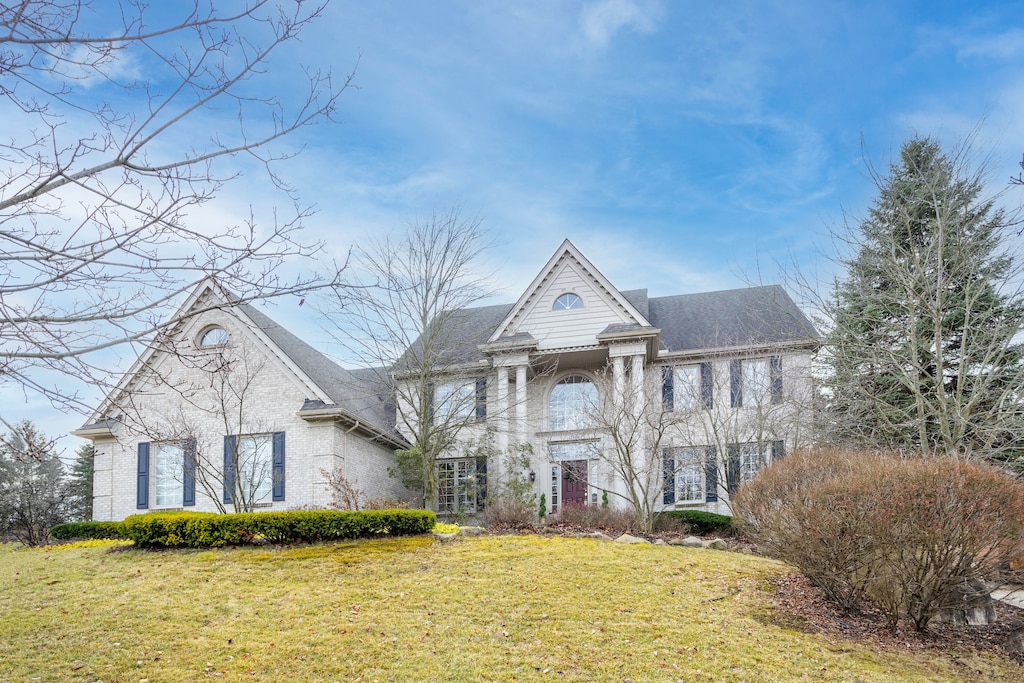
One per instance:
(533, 476)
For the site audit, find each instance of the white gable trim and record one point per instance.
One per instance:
(185, 314)
(567, 249)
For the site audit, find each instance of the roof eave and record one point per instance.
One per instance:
(333, 413)
(791, 345)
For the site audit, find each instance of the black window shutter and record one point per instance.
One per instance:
(732, 468)
(481, 482)
(481, 398)
(667, 395)
(230, 445)
(775, 372)
(277, 468)
(736, 383)
(142, 477)
(711, 475)
(668, 470)
(707, 391)
(188, 493)
(778, 450)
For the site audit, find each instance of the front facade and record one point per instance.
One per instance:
(617, 396)
(600, 395)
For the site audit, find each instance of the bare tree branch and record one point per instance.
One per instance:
(102, 171)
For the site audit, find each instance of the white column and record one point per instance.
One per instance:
(636, 378)
(618, 380)
(520, 430)
(503, 417)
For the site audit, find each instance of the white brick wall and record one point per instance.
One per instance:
(187, 397)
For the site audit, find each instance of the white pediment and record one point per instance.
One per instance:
(556, 327)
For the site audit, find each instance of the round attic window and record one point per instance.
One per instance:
(567, 301)
(213, 336)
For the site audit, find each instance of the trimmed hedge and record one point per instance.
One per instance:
(103, 530)
(702, 523)
(211, 530)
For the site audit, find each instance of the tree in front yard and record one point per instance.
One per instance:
(406, 318)
(80, 483)
(122, 121)
(924, 347)
(33, 492)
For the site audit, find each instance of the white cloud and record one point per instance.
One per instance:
(603, 20)
(1001, 47)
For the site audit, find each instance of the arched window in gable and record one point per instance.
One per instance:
(567, 301)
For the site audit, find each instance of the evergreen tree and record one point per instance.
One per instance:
(33, 492)
(80, 483)
(922, 347)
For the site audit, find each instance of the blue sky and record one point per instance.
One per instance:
(682, 146)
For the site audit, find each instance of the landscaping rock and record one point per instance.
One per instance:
(598, 536)
(472, 531)
(626, 538)
(688, 542)
(716, 544)
(444, 538)
(975, 609)
(660, 541)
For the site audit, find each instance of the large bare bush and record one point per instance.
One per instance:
(904, 534)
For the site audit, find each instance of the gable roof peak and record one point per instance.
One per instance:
(567, 250)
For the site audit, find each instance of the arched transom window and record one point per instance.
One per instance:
(214, 336)
(567, 301)
(572, 403)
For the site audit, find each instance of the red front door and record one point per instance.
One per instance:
(574, 482)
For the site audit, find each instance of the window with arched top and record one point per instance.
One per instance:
(571, 403)
(567, 301)
(212, 337)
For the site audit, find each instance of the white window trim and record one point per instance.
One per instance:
(172, 476)
(454, 401)
(263, 493)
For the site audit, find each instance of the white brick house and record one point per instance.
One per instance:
(287, 419)
(732, 368)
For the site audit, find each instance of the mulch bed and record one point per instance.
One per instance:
(802, 606)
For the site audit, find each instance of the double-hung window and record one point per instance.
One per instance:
(459, 401)
(166, 474)
(255, 467)
(755, 381)
(687, 387)
(684, 470)
(168, 470)
(746, 460)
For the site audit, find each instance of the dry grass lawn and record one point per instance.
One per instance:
(498, 608)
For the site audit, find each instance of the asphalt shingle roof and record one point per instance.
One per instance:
(751, 316)
(360, 392)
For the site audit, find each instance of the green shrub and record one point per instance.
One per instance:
(210, 530)
(906, 534)
(698, 522)
(102, 530)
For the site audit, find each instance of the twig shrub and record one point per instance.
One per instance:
(906, 534)
(504, 514)
(102, 530)
(601, 517)
(210, 530)
(695, 521)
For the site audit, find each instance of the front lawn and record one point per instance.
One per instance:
(501, 608)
